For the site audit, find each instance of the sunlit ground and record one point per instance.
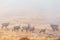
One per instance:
(8, 34)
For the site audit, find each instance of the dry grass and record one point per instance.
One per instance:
(12, 38)
(9, 35)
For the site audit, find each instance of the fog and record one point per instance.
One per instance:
(46, 10)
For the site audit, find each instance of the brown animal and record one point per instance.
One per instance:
(58, 39)
(25, 38)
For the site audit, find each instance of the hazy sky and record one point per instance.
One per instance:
(49, 10)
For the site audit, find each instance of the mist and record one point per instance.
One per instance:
(48, 11)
